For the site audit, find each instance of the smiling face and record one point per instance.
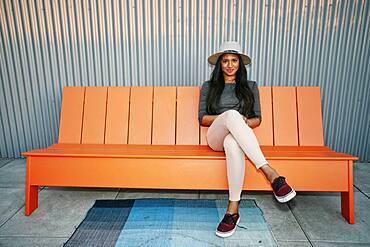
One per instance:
(229, 66)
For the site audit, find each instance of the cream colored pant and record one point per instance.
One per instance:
(230, 133)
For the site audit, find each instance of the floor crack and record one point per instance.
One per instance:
(361, 191)
(299, 223)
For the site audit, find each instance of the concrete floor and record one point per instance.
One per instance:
(312, 219)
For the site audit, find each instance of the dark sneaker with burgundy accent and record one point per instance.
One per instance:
(282, 191)
(227, 226)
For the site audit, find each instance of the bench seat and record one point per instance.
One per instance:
(182, 151)
(138, 166)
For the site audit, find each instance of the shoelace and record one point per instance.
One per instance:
(278, 183)
(228, 219)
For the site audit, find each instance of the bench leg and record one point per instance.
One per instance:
(347, 198)
(31, 199)
(32, 192)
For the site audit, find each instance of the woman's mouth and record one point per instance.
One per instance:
(230, 70)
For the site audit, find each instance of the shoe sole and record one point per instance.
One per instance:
(229, 233)
(287, 197)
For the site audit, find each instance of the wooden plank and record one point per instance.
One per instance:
(31, 192)
(309, 116)
(117, 115)
(93, 126)
(199, 152)
(71, 115)
(140, 125)
(203, 135)
(347, 198)
(188, 147)
(285, 116)
(203, 132)
(181, 174)
(187, 125)
(164, 115)
(264, 132)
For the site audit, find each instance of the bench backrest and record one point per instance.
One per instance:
(291, 116)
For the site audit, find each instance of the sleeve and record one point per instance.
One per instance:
(257, 104)
(202, 101)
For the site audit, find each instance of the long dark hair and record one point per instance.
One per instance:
(242, 89)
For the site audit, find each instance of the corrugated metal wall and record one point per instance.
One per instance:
(47, 44)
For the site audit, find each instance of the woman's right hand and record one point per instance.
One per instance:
(207, 120)
(252, 122)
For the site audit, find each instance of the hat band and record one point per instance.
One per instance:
(230, 51)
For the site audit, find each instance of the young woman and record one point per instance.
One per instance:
(229, 105)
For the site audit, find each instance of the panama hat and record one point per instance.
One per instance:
(229, 47)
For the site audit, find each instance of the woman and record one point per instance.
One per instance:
(229, 105)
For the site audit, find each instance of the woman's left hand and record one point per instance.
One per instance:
(252, 122)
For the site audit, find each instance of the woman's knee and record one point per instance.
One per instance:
(232, 113)
(232, 117)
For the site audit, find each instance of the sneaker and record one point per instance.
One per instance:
(282, 191)
(227, 226)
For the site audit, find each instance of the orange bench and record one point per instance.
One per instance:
(149, 137)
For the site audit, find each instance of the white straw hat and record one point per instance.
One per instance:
(229, 47)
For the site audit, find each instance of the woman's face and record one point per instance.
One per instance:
(229, 64)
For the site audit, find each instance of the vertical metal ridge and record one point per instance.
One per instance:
(6, 145)
(28, 73)
(351, 54)
(38, 79)
(136, 42)
(125, 52)
(109, 39)
(18, 69)
(46, 82)
(13, 112)
(145, 43)
(59, 82)
(49, 74)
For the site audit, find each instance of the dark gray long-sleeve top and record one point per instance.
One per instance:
(228, 100)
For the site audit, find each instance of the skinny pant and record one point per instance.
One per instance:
(230, 133)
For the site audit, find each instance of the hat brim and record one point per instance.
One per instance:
(213, 58)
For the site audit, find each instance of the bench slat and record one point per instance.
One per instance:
(71, 115)
(264, 132)
(203, 135)
(117, 115)
(93, 127)
(187, 124)
(140, 126)
(164, 115)
(309, 116)
(203, 131)
(285, 116)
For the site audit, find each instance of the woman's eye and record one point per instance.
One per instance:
(232, 60)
